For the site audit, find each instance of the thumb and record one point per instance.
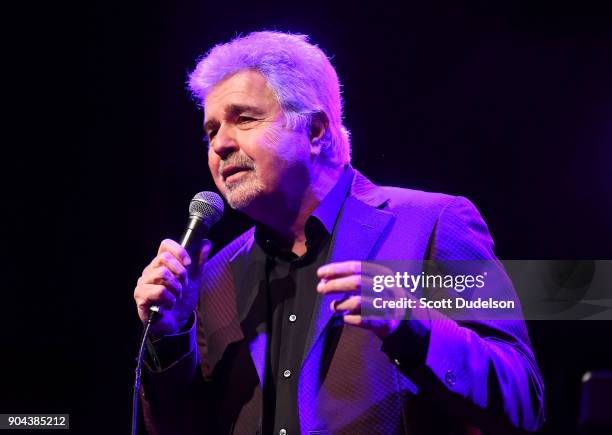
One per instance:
(204, 251)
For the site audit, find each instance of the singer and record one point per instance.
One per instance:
(267, 336)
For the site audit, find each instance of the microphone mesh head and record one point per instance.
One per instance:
(208, 206)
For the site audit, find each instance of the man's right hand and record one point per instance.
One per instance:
(165, 282)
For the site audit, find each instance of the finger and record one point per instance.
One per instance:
(153, 294)
(162, 276)
(169, 245)
(353, 319)
(345, 268)
(337, 270)
(167, 279)
(166, 259)
(374, 312)
(204, 252)
(350, 305)
(352, 283)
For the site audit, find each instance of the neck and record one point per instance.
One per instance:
(291, 211)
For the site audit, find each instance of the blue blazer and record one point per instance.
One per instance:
(475, 374)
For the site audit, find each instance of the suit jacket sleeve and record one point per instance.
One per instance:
(482, 370)
(173, 397)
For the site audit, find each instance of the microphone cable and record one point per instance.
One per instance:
(153, 313)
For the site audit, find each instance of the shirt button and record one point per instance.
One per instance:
(287, 373)
(292, 318)
(450, 377)
(282, 432)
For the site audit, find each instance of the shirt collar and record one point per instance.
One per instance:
(326, 213)
(329, 208)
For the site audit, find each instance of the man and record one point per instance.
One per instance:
(278, 343)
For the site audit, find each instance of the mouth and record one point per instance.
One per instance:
(231, 173)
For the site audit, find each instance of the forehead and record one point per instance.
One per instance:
(245, 88)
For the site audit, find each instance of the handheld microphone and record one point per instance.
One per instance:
(205, 210)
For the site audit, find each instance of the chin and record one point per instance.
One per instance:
(242, 196)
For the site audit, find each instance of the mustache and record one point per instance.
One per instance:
(236, 159)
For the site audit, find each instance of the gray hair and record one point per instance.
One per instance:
(299, 74)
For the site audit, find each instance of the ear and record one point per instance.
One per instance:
(319, 123)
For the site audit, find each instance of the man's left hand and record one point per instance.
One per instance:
(347, 279)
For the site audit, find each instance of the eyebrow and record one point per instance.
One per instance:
(233, 110)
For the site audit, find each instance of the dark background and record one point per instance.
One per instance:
(507, 103)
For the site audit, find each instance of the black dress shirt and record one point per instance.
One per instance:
(291, 300)
(291, 283)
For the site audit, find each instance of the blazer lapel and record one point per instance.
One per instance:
(356, 233)
(249, 273)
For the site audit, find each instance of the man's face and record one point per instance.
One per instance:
(252, 155)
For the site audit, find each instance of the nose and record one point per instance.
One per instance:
(224, 142)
